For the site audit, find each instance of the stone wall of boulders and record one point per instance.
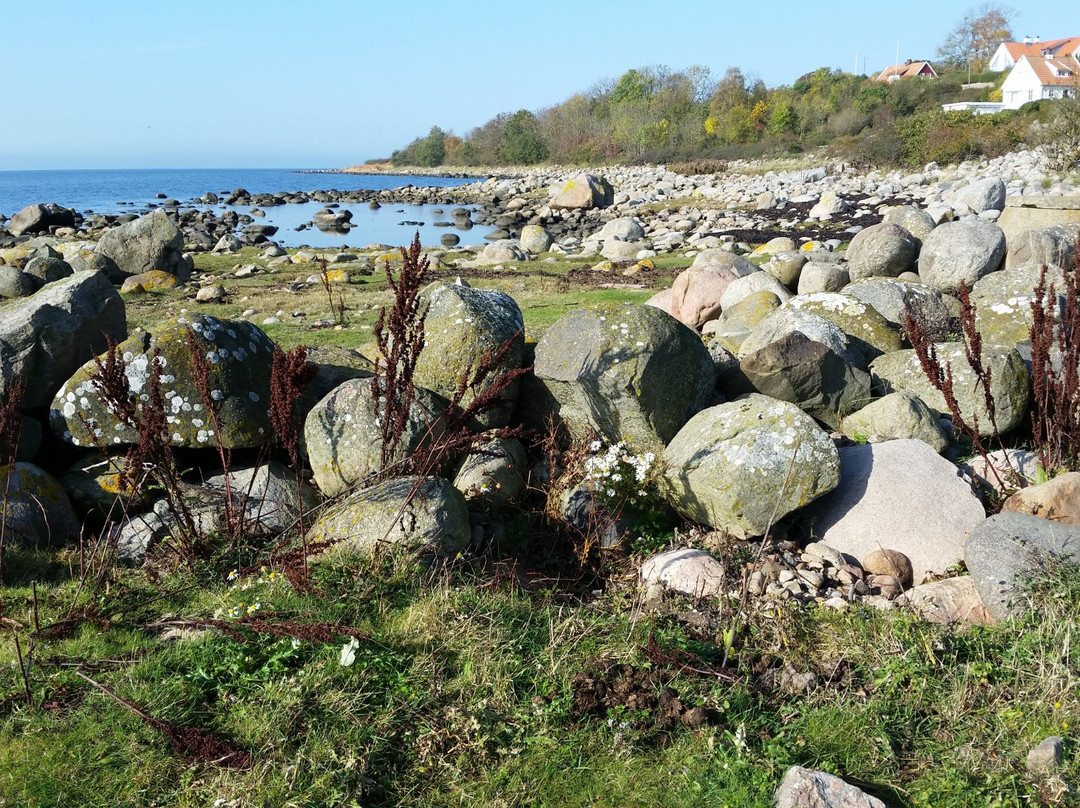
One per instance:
(774, 382)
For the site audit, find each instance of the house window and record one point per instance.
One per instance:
(1030, 94)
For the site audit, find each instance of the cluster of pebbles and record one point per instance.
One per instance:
(818, 573)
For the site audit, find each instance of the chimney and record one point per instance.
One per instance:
(1036, 38)
(1027, 40)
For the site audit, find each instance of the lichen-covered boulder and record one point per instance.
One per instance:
(35, 511)
(891, 296)
(422, 513)
(343, 434)
(914, 219)
(867, 329)
(786, 266)
(494, 473)
(463, 325)
(148, 281)
(150, 242)
(1009, 551)
(238, 357)
(16, 283)
(625, 373)
(1010, 386)
(583, 192)
(740, 466)
(726, 258)
(896, 416)
(961, 252)
(799, 357)
(748, 284)
(45, 337)
(881, 250)
(1003, 314)
(736, 322)
(534, 239)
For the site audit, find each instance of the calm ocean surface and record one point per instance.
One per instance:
(105, 191)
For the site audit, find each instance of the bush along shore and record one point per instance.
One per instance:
(728, 489)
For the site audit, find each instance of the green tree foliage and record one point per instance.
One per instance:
(655, 114)
(426, 151)
(976, 36)
(521, 142)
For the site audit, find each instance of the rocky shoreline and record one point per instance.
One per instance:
(748, 203)
(791, 372)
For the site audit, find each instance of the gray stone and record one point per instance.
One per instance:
(881, 250)
(890, 297)
(583, 192)
(629, 372)
(1046, 245)
(982, 195)
(463, 326)
(421, 513)
(818, 276)
(151, 242)
(40, 218)
(47, 269)
(689, 572)
(343, 434)
(501, 251)
(896, 416)
(1047, 756)
(741, 466)
(534, 239)
(804, 788)
(1010, 385)
(748, 284)
(16, 283)
(802, 358)
(915, 220)
(44, 338)
(626, 228)
(1009, 550)
(35, 510)
(899, 495)
(494, 473)
(238, 357)
(266, 497)
(961, 252)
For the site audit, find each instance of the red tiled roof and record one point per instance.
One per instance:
(905, 70)
(1047, 70)
(1056, 47)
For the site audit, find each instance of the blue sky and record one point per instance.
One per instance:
(238, 83)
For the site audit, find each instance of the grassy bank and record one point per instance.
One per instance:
(532, 673)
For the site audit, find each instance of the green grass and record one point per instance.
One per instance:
(463, 693)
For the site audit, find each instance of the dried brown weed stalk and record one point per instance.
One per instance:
(1055, 369)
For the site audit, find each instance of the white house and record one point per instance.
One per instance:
(1036, 77)
(1009, 53)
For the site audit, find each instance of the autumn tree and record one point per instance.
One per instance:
(977, 36)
